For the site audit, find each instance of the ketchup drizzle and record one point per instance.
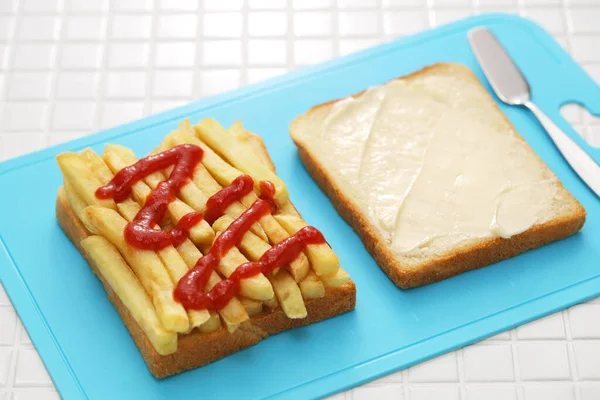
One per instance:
(218, 202)
(140, 233)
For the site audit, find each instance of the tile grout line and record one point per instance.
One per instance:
(149, 84)
(9, 72)
(199, 59)
(289, 56)
(16, 350)
(55, 73)
(460, 367)
(244, 39)
(516, 364)
(570, 352)
(102, 71)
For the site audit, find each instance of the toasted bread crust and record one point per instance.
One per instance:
(484, 252)
(196, 348)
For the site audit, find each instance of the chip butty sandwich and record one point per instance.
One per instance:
(432, 175)
(198, 245)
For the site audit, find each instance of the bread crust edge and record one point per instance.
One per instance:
(466, 258)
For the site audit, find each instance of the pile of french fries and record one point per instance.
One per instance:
(144, 280)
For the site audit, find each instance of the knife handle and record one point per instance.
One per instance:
(585, 166)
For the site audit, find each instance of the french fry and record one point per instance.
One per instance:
(172, 261)
(147, 266)
(253, 141)
(322, 258)
(214, 135)
(125, 284)
(212, 325)
(251, 246)
(200, 234)
(202, 178)
(97, 165)
(336, 280)
(233, 313)
(286, 290)
(77, 205)
(224, 174)
(289, 295)
(81, 179)
(256, 287)
(312, 287)
(252, 307)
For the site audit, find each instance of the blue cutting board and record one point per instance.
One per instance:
(88, 351)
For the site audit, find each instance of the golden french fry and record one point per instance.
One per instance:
(289, 295)
(252, 307)
(172, 261)
(147, 266)
(202, 177)
(312, 287)
(124, 283)
(225, 174)
(322, 258)
(239, 155)
(253, 141)
(300, 266)
(77, 205)
(212, 325)
(97, 165)
(81, 179)
(256, 287)
(128, 208)
(336, 280)
(251, 245)
(200, 234)
(233, 313)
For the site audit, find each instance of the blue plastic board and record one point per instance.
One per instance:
(88, 351)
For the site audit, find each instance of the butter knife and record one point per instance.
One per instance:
(512, 88)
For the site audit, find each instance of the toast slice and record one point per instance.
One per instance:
(165, 352)
(432, 176)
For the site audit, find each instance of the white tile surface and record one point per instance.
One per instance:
(8, 328)
(430, 391)
(30, 370)
(550, 327)
(81, 56)
(589, 390)
(5, 359)
(124, 55)
(585, 321)
(119, 112)
(29, 85)
(77, 85)
(70, 67)
(440, 369)
(543, 361)
(73, 115)
(177, 26)
(36, 394)
(86, 27)
(587, 359)
(128, 84)
(548, 391)
(488, 363)
(267, 23)
(491, 392)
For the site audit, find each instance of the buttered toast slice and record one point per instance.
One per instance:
(433, 176)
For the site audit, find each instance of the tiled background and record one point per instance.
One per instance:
(70, 67)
